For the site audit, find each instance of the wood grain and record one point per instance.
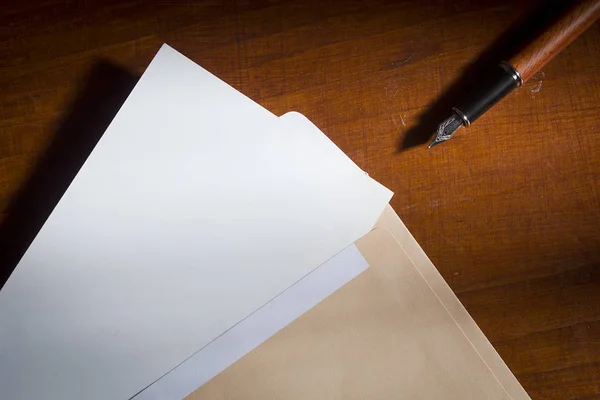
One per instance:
(558, 36)
(508, 211)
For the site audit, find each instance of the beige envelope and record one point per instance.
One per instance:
(397, 331)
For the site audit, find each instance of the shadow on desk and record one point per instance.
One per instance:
(513, 40)
(103, 92)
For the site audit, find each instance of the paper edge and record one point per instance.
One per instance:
(275, 315)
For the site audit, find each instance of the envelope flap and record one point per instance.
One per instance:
(383, 335)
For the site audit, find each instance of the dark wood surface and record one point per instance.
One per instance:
(508, 211)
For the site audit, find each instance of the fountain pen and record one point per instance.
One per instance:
(518, 69)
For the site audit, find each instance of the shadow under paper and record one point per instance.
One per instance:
(103, 93)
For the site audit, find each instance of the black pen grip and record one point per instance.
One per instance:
(497, 84)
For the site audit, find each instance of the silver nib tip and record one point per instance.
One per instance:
(446, 129)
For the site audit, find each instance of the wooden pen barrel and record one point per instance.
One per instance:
(538, 53)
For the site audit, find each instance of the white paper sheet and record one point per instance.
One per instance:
(257, 327)
(280, 311)
(193, 211)
(299, 124)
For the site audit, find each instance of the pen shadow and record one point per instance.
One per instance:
(509, 43)
(103, 92)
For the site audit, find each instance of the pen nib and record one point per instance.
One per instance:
(446, 129)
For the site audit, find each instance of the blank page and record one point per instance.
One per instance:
(193, 211)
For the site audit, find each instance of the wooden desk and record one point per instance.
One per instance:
(509, 211)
